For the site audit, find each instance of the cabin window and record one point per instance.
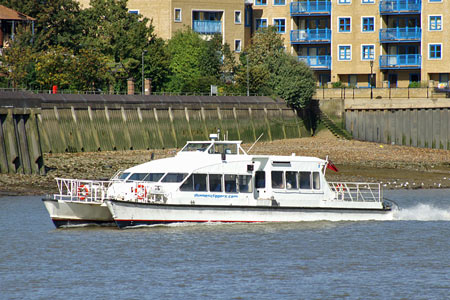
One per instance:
(192, 147)
(154, 177)
(200, 182)
(260, 179)
(223, 148)
(316, 180)
(195, 182)
(174, 177)
(305, 180)
(277, 180)
(230, 183)
(291, 180)
(123, 176)
(188, 185)
(137, 176)
(245, 183)
(215, 182)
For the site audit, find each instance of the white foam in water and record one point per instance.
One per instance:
(423, 212)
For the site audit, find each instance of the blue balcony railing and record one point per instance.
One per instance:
(400, 61)
(311, 36)
(207, 27)
(317, 62)
(310, 8)
(400, 6)
(400, 34)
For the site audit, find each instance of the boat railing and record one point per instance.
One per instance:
(81, 190)
(357, 192)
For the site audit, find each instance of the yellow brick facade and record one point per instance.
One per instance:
(345, 56)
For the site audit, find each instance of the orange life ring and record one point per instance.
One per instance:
(140, 191)
(82, 192)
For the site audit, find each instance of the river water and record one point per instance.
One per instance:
(408, 258)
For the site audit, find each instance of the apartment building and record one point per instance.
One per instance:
(231, 18)
(386, 43)
(383, 43)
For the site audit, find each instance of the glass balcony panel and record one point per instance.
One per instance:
(207, 27)
(310, 7)
(401, 61)
(311, 36)
(400, 34)
(317, 62)
(400, 6)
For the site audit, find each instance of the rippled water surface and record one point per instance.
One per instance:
(404, 259)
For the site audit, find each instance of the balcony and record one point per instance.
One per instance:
(401, 61)
(310, 8)
(311, 36)
(207, 27)
(322, 62)
(396, 7)
(389, 35)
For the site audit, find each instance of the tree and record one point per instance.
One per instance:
(18, 65)
(272, 71)
(109, 28)
(156, 64)
(57, 22)
(54, 66)
(194, 62)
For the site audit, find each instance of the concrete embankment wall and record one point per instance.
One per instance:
(76, 123)
(411, 122)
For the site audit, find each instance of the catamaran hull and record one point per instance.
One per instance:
(128, 214)
(75, 214)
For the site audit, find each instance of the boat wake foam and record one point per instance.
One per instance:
(423, 212)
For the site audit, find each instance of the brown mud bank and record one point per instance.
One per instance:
(393, 166)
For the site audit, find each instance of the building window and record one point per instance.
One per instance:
(237, 17)
(414, 77)
(344, 24)
(345, 1)
(237, 45)
(368, 24)
(177, 15)
(435, 51)
(260, 2)
(261, 23)
(134, 11)
(434, 0)
(279, 2)
(368, 52)
(367, 1)
(345, 52)
(435, 23)
(280, 25)
(248, 15)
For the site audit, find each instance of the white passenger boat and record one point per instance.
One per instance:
(79, 203)
(217, 181)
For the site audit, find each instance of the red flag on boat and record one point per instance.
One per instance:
(331, 166)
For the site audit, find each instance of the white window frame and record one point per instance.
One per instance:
(362, 25)
(240, 46)
(345, 2)
(338, 52)
(362, 53)
(256, 23)
(240, 17)
(429, 52)
(429, 22)
(367, 2)
(175, 15)
(133, 11)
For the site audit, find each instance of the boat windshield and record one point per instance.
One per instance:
(151, 177)
(227, 148)
(192, 147)
(122, 176)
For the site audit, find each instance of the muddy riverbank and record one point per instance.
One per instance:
(394, 166)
